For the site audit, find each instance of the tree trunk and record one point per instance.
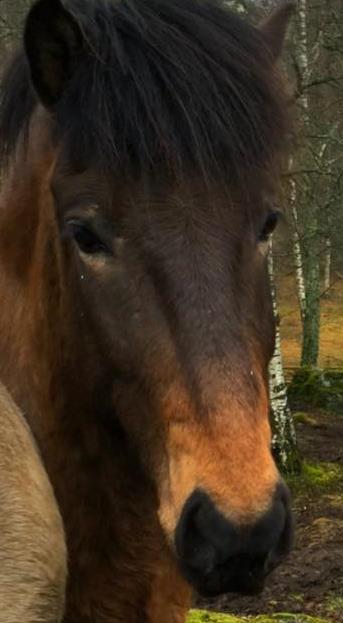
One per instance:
(297, 252)
(311, 325)
(311, 319)
(284, 436)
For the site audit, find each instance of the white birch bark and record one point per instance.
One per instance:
(302, 44)
(284, 435)
(297, 252)
(303, 61)
(311, 317)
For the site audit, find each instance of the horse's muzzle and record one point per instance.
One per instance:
(217, 556)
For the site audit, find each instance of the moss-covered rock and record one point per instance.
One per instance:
(317, 388)
(202, 616)
(322, 476)
(301, 417)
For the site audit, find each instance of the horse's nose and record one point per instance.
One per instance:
(217, 556)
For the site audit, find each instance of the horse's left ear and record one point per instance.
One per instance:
(53, 42)
(274, 28)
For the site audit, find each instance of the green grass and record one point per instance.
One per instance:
(202, 616)
(334, 604)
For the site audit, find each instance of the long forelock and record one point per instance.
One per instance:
(163, 84)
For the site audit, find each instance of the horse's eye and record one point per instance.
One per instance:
(86, 239)
(269, 225)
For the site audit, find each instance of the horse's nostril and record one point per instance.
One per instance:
(203, 536)
(217, 556)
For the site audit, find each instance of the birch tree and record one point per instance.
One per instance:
(284, 435)
(317, 59)
(303, 76)
(309, 255)
(297, 250)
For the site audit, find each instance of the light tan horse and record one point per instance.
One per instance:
(32, 547)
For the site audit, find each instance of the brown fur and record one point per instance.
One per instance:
(120, 568)
(140, 385)
(32, 547)
(119, 522)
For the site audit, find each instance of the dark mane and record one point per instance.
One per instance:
(177, 84)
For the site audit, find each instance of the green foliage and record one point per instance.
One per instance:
(317, 388)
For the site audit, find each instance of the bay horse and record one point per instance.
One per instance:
(32, 546)
(141, 141)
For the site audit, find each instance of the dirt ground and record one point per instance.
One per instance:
(311, 581)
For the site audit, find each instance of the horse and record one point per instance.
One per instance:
(32, 544)
(141, 148)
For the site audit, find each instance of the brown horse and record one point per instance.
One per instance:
(141, 143)
(32, 547)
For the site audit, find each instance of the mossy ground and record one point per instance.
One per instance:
(334, 604)
(202, 616)
(321, 476)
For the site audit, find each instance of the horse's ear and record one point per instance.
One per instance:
(274, 28)
(53, 41)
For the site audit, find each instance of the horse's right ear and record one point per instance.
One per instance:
(274, 28)
(53, 41)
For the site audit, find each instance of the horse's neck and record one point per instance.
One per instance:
(33, 311)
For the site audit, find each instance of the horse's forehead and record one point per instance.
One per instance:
(72, 181)
(110, 190)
